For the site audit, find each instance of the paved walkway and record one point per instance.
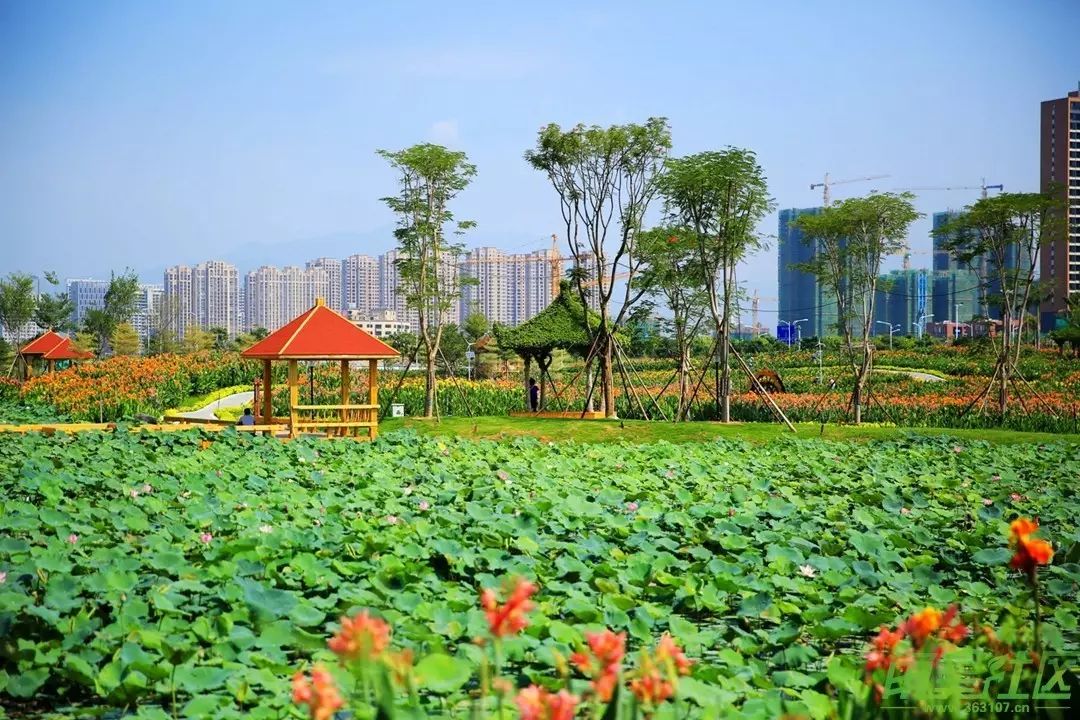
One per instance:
(234, 400)
(925, 377)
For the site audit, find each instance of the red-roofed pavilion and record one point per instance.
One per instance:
(50, 347)
(322, 334)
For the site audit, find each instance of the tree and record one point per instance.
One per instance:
(453, 348)
(85, 341)
(120, 305)
(17, 305)
(1007, 232)
(259, 333)
(675, 273)
(196, 339)
(124, 340)
(162, 324)
(54, 311)
(430, 177)
(405, 343)
(605, 179)
(719, 197)
(221, 337)
(475, 326)
(851, 239)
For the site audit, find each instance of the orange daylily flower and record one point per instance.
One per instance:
(510, 618)
(320, 694)
(537, 703)
(363, 637)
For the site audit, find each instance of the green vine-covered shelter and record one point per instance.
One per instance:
(565, 324)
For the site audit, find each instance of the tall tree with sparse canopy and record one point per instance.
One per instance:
(120, 305)
(1008, 231)
(673, 271)
(54, 311)
(720, 197)
(851, 239)
(17, 303)
(430, 177)
(605, 179)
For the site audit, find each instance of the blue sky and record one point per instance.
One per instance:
(145, 134)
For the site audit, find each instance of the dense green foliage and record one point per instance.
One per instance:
(210, 566)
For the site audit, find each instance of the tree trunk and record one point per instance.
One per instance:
(607, 384)
(429, 388)
(525, 381)
(725, 377)
(684, 371)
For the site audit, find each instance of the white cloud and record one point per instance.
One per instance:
(444, 132)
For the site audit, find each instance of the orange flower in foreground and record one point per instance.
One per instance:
(668, 651)
(363, 637)
(319, 694)
(603, 661)
(883, 645)
(651, 688)
(537, 703)
(510, 618)
(1029, 553)
(922, 625)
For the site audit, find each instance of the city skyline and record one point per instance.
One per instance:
(198, 155)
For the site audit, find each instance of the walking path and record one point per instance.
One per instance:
(925, 377)
(207, 413)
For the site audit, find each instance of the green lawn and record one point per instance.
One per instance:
(641, 431)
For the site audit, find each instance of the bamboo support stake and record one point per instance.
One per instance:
(294, 396)
(345, 393)
(373, 396)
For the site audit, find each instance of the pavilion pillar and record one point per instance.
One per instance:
(294, 396)
(373, 396)
(346, 394)
(52, 366)
(267, 395)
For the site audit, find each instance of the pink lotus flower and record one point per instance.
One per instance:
(958, 449)
(147, 488)
(392, 519)
(73, 538)
(631, 506)
(205, 538)
(669, 474)
(987, 502)
(995, 478)
(133, 493)
(3, 577)
(502, 475)
(265, 529)
(905, 511)
(424, 506)
(807, 570)
(1016, 497)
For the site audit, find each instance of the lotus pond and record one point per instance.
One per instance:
(188, 574)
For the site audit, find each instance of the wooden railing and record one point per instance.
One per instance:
(335, 420)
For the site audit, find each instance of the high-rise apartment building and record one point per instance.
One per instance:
(902, 298)
(86, 295)
(178, 299)
(508, 289)
(334, 271)
(215, 291)
(147, 310)
(360, 275)
(273, 297)
(1060, 173)
(801, 295)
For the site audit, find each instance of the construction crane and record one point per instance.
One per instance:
(555, 259)
(908, 252)
(755, 300)
(982, 186)
(827, 183)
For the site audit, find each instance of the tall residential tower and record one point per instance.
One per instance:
(1060, 172)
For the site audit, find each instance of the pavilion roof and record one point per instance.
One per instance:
(44, 343)
(66, 351)
(320, 334)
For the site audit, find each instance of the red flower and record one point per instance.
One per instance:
(537, 703)
(922, 625)
(651, 688)
(361, 638)
(1029, 553)
(509, 618)
(603, 662)
(881, 656)
(668, 651)
(320, 694)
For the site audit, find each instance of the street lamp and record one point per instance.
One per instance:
(956, 319)
(788, 323)
(892, 329)
(798, 330)
(820, 360)
(920, 324)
